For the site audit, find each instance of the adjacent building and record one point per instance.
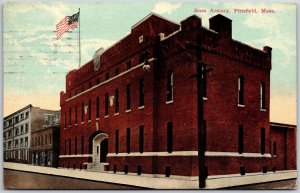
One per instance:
(44, 149)
(17, 128)
(133, 108)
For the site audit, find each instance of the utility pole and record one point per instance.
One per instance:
(201, 69)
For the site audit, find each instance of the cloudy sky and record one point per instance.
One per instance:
(35, 64)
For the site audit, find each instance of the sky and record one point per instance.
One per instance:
(35, 63)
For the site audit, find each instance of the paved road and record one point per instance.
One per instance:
(285, 184)
(25, 180)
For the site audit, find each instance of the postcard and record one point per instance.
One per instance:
(153, 95)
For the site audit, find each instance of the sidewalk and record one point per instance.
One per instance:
(148, 181)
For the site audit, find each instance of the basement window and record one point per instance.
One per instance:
(168, 171)
(242, 170)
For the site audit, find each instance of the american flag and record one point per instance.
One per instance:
(66, 24)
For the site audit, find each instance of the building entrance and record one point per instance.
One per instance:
(100, 148)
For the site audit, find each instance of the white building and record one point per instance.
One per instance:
(17, 128)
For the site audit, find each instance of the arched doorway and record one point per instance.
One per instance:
(100, 148)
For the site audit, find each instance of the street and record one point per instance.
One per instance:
(26, 180)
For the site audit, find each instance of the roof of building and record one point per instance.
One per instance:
(8, 116)
(283, 125)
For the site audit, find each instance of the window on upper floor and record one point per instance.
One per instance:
(106, 104)
(170, 85)
(90, 109)
(97, 107)
(107, 76)
(26, 141)
(76, 114)
(141, 93)
(21, 142)
(128, 97)
(27, 114)
(22, 130)
(117, 101)
(128, 65)
(241, 90)
(117, 71)
(26, 128)
(262, 96)
(98, 80)
(17, 119)
(16, 143)
(22, 116)
(82, 112)
(65, 120)
(90, 84)
(70, 116)
(204, 82)
(9, 133)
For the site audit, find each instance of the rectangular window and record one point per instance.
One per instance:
(65, 147)
(70, 116)
(75, 145)
(98, 81)
(128, 65)
(169, 137)
(90, 109)
(141, 139)
(241, 90)
(204, 82)
(107, 76)
(117, 142)
(26, 141)
(106, 104)
(170, 86)
(97, 107)
(262, 141)
(90, 85)
(262, 96)
(117, 71)
(128, 100)
(70, 147)
(82, 112)
(26, 128)
(141, 96)
(241, 139)
(117, 101)
(274, 148)
(128, 140)
(46, 140)
(82, 144)
(76, 114)
(139, 170)
(65, 120)
(126, 169)
(50, 139)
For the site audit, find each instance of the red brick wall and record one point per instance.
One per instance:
(222, 114)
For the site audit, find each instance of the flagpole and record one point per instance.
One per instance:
(79, 38)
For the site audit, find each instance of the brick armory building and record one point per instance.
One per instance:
(133, 108)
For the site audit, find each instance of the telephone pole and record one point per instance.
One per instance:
(201, 69)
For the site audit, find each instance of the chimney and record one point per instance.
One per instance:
(221, 24)
(191, 23)
(267, 49)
